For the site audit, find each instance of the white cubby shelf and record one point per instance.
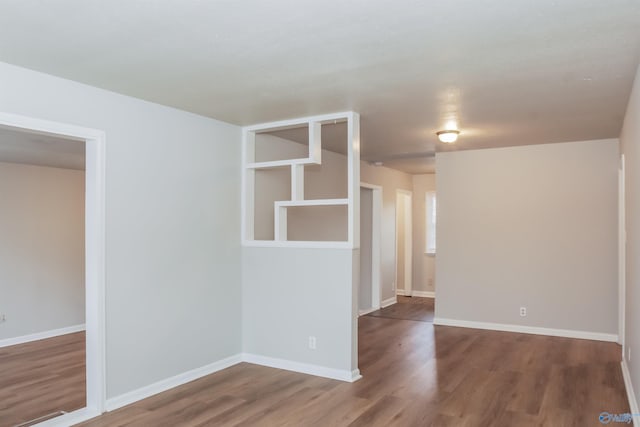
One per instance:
(250, 166)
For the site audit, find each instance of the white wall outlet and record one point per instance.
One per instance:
(312, 343)
(430, 282)
(3, 317)
(523, 311)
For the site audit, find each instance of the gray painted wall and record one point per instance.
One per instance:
(630, 141)
(532, 226)
(289, 294)
(366, 224)
(41, 248)
(172, 226)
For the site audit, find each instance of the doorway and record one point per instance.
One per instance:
(404, 244)
(93, 280)
(370, 247)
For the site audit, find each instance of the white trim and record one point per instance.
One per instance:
(567, 333)
(622, 254)
(424, 294)
(312, 202)
(314, 156)
(419, 294)
(41, 335)
(367, 311)
(71, 418)
(280, 163)
(296, 244)
(304, 368)
(169, 383)
(631, 395)
(388, 302)
(94, 246)
(283, 124)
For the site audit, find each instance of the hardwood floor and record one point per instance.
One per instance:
(42, 377)
(408, 308)
(414, 374)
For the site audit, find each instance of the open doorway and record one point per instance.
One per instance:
(370, 248)
(404, 242)
(42, 268)
(52, 329)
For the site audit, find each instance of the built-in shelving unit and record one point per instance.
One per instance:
(297, 165)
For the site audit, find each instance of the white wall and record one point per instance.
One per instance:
(390, 180)
(41, 248)
(630, 142)
(532, 226)
(423, 265)
(172, 226)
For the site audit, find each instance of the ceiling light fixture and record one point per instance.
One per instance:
(448, 136)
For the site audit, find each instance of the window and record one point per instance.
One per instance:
(430, 209)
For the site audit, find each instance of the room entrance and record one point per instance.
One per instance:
(56, 152)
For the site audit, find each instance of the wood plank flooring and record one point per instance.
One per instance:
(408, 308)
(42, 377)
(414, 374)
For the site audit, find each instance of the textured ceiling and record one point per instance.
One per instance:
(509, 72)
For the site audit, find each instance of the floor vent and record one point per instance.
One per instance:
(41, 419)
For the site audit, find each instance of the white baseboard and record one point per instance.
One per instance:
(41, 335)
(180, 379)
(288, 365)
(567, 333)
(367, 311)
(631, 395)
(71, 418)
(420, 294)
(424, 294)
(388, 302)
(169, 383)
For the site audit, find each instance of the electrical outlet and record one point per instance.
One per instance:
(3, 317)
(523, 311)
(312, 343)
(430, 282)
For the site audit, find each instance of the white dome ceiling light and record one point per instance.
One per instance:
(448, 136)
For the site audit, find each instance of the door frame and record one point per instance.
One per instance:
(408, 240)
(622, 243)
(376, 245)
(94, 254)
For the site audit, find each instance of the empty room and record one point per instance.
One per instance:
(418, 213)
